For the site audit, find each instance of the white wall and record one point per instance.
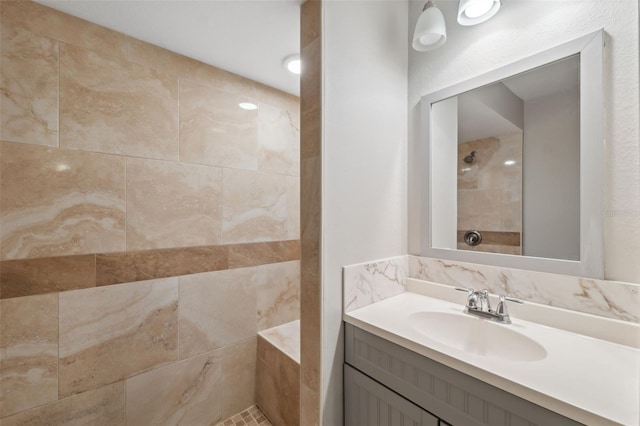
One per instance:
(551, 194)
(364, 169)
(520, 29)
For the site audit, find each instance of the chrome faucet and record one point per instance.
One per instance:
(478, 304)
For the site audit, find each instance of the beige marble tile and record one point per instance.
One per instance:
(492, 248)
(495, 173)
(310, 100)
(285, 338)
(479, 209)
(188, 392)
(110, 333)
(239, 376)
(172, 204)
(113, 106)
(29, 352)
(310, 21)
(278, 293)
(309, 405)
(310, 294)
(260, 207)
(99, 407)
(214, 130)
(278, 385)
(279, 139)
(217, 309)
(57, 25)
(59, 202)
(206, 75)
(28, 88)
(276, 98)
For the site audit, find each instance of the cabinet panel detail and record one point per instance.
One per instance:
(456, 398)
(371, 404)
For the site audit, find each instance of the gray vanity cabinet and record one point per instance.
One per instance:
(372, 404)
(382, 377)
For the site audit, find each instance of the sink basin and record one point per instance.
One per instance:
(476, 335)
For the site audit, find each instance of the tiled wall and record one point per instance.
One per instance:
(278, 373)
(490, 193)
(148, 226)
(310, 215)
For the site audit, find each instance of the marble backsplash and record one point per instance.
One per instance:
(371, 282)
(367, 283)
(610, 299)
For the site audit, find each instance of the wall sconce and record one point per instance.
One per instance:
(430, 32)
(473, 12)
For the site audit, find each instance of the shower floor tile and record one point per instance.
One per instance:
(252, 416)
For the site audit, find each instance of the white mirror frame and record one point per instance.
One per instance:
(591, 263)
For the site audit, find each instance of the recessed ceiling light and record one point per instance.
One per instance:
(293, 64)
(248, 106)
(473, 12)
(509, 163)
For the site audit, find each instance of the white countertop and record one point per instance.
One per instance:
(593, 381)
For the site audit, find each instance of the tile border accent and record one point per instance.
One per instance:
(503, 238)
(27, 277)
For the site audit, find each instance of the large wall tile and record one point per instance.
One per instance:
(217, 309)
(239, 377)
(278, 293)
(29, 352)
(279, 139)
(29, 88)
(310, 98)
(109, 105)
(110, 333)
(172, 205)
(188, 392)
(214, 130)
(278, 385)
(99, 407)
(260, 207)
(60, 202)
(57, 25)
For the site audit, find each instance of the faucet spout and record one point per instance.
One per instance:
(478, 304)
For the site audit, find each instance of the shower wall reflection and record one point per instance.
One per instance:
(490, 193)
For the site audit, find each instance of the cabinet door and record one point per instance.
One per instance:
(368, 403)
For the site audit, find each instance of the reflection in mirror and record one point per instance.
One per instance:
(517, 163)
(512, 164)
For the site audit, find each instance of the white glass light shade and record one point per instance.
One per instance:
(474, 12)
(430, 32)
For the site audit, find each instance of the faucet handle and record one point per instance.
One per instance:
(472, 299)
(501, 309)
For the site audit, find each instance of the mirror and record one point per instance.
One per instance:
(514, 164)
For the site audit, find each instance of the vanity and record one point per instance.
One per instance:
(511, 206)
(418, 359)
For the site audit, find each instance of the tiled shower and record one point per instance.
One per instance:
(149, 227)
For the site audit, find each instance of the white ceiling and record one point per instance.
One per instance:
(247, 37)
